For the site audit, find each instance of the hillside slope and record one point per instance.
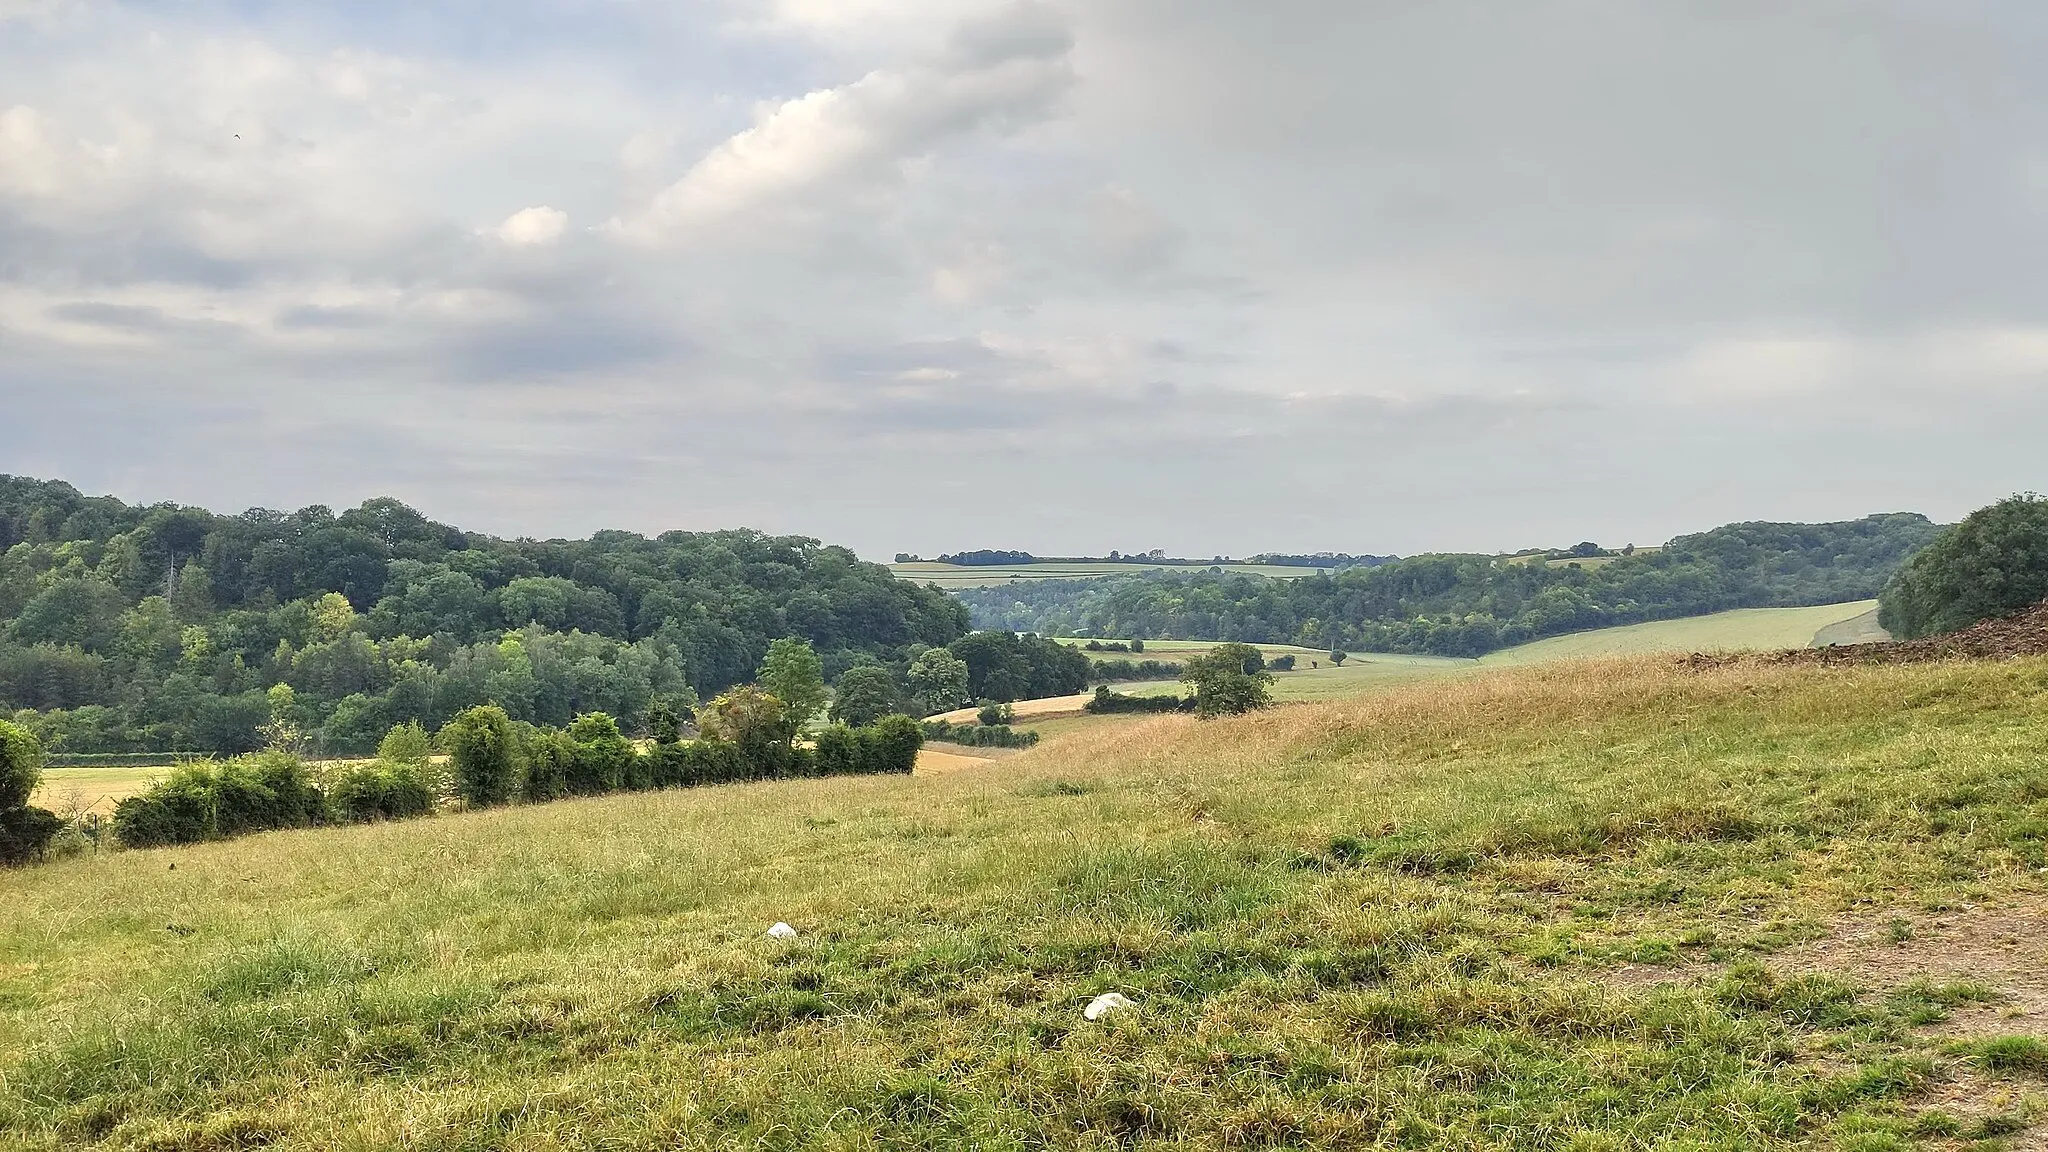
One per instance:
(1520, 909)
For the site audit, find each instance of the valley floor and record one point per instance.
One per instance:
(1578, 906)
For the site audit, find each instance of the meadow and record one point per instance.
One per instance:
(1746, 629)
(1578, 906)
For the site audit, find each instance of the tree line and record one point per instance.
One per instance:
(165, 628)
(762, 730)
(1465, 605)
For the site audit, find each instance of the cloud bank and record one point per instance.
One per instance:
(1195, 275)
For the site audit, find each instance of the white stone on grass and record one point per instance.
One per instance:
(1106, 1003)
(782, 931)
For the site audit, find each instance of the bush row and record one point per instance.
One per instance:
(1108, 701)
(979, 735)
(495, 761)
(1136, 670)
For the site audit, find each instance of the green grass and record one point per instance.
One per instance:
(955, 577)
(1747, 628)
(1758, 629)
(1389, 921)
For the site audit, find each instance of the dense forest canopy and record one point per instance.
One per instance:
(1456, 605)
(131, 628)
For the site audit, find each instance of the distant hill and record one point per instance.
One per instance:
(1464, 605)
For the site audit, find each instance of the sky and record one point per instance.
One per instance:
(1061, 275)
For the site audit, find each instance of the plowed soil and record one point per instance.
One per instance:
(2025, 634)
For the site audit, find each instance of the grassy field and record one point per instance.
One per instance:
(81, 790)
(1749, 628)
(1574, 907)
(955, 577)
(1755, 629)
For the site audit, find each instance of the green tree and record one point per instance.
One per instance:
(603, 755)
(938, 679)
(1229, 679)
(483, 751)
(663, 724)
(1993, 564)
(753, 721)
(1338, 656)
(864, 694)
(21, 765)
(793, 674)
(406, 743)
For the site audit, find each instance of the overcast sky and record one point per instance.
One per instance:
(1073, 275)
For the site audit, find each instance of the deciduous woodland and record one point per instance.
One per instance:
(130, 628)
(1469, 605)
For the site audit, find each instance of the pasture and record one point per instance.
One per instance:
(1573, 906)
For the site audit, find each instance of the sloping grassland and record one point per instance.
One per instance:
(1565, 907)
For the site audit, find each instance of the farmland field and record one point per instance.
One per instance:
(1743, 629)
(69, 790)
(954, 577)
(1754, 629)
(1574, 906)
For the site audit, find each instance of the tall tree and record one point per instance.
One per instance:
(793, 674)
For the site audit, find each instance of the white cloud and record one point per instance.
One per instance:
(995, 75)
(534, 227)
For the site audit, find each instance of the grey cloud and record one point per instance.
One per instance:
(1305, 275)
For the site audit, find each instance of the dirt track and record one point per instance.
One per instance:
(2025, 634)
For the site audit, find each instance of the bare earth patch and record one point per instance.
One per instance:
(2001, 945)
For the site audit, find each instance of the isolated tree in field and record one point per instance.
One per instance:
(1993, 564)
(1229, 679)
(1338, 656)
(793, 674)
(939, 680)
(863, 695)
(484, 753)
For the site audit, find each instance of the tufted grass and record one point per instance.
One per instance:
(1395, 921)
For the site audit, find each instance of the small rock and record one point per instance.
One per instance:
(782, 931)
(1104, 1004)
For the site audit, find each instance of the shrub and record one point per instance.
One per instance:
(21, 765)
(380, 790)
(550, 760)
(895, 743)
(408, 743)
(265, 791)
(25, 833)
(176, 810)
(208, 801)
(996, 715)
(602, 757)
(481, 747)
(1282, 663)
(1993, 564)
